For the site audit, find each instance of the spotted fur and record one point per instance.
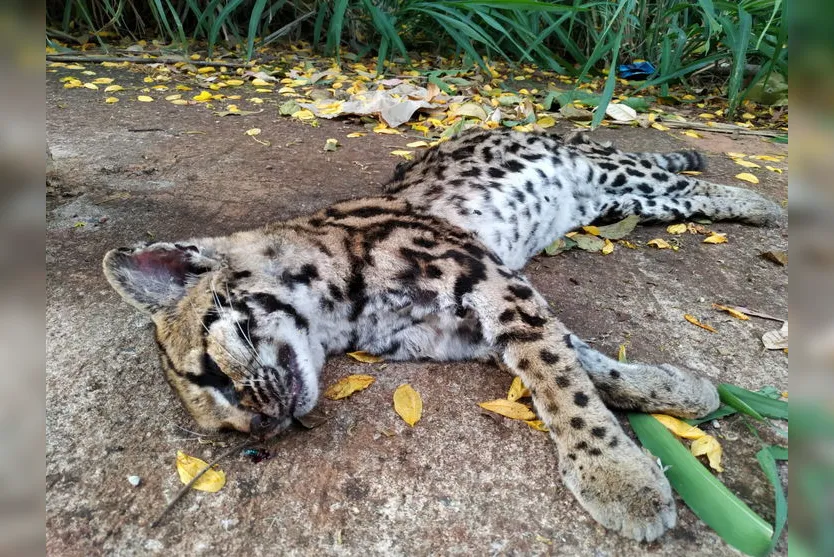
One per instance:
(244, 322)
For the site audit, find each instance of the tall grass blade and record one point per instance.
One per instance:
(708, 498)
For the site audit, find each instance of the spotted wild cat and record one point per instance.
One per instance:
(245, 322)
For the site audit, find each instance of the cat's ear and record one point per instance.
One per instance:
(156, 276)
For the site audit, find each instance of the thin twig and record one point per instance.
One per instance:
(94, 59)
(237, 448)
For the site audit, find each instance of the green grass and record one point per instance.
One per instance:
(576, 37)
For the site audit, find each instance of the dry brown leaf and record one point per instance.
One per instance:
(777, 339)
(517, 390)
(509, 409)
(408, 404)
(694, 320)
(364, 357)
(346, 386)
(777, 256)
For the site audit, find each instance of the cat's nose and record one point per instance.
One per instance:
(263, 426)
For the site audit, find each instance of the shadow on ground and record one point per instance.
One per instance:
(364, 482)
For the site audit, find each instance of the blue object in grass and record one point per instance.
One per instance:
(637, 70)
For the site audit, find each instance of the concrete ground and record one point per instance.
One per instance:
(460, 482)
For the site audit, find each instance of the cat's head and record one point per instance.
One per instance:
(233, 361)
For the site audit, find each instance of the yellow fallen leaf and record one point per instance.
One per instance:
(206, 69)
(691, 172)
(183, 88)
(679, 427)
(173, 97)
(546, 122)
(626, 243)
(407, 155)
(258, 82)
(364, 357)
(659, 243)
(538, 425)
(415, 144)
(608, 248)
(768, 158)
(263, 90)
(509, 409)
(304, 114)
(746, 164)
(253, 131)
(144, 99)
(747, 177)
(748, 116)
(188, 467)
(707, 116)
(591, 230)
(331, 144)
(659, 126)
(111, 100)
(408, 404)
(92, 86)
(708, 445)
(202, 97)
(234, 82)
(716, 238)
(734, 312)
(386, 130)
(733, 155)
(621, 354)
(113, 88)
(694, 320)
(774, 169)
(690, 133)
(676, 228)
(356, 134)
(346, 386)
(517, 390)
(256, 100)
(179, 101)
(103, 80)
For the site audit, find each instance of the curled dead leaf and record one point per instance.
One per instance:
(732, 311)
(694, 320)
(538, 425)
(676, 228)
(517, 390)
(709, 446)
(659, 243)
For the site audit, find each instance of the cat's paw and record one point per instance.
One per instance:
(624, 490)
(625, 493)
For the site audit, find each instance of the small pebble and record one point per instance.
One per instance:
(134, 480)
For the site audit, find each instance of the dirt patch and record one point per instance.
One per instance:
(457, 483)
